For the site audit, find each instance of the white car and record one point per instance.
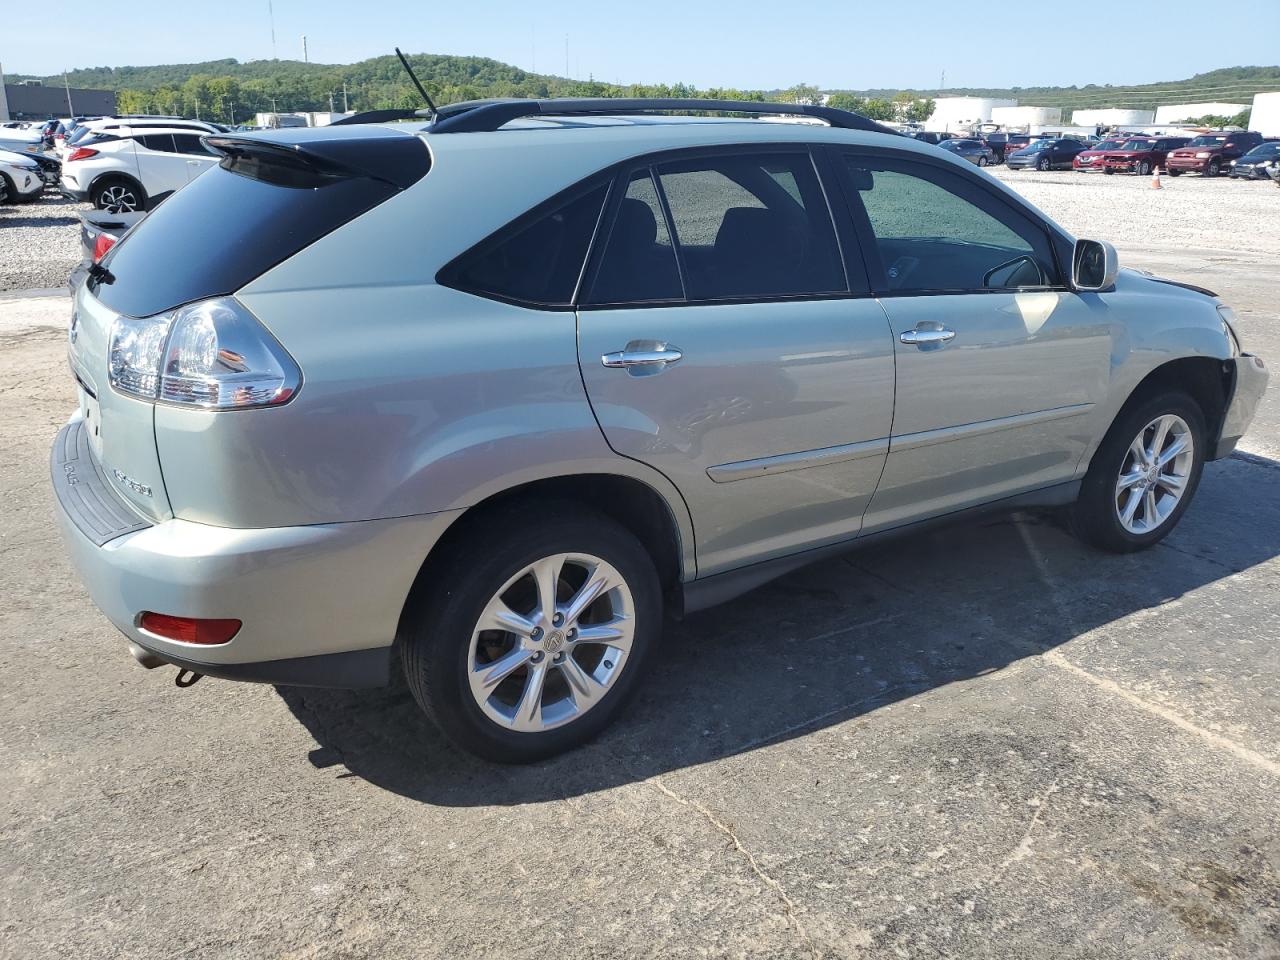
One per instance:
(88, 130)
(19, 177)
(128, 168)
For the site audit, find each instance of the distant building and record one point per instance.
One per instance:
(1113, 118)
(1179, 112)
(1265, 116)
(1018, 117)
(954, 114)
(23, 101)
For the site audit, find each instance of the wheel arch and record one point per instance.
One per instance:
(117, 175)
(661, 526)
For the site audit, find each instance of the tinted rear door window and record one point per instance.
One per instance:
(755, 226)
(638, 264)
(161, 142)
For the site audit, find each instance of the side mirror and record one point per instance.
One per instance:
(1094, 266)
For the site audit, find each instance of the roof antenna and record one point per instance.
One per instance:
(417, 83)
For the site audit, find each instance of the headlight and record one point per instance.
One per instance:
(214, 355)
(1228, 325)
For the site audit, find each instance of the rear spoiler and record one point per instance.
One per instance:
(392, 156)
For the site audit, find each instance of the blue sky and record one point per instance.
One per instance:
(744, 44)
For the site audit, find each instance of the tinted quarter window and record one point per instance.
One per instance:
(536, 260)
(935, 231)
(639, 262)
(755, 225)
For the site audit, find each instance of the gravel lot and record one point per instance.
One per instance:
(39, 243)
(986, 741)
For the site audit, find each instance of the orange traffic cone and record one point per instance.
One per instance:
(1155, 179)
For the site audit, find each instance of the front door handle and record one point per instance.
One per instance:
(924, 337)
(642, 357)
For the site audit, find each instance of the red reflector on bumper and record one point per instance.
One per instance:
(188, 629)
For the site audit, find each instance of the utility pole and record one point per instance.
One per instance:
(66, 84)
(345, 108)
(942, 84)
(566, 56)
(271, 15)
(331, 101)
(304, 49)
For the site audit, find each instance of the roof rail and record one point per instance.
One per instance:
(382, 116)
(476, 116)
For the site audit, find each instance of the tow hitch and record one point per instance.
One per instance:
(187, 678)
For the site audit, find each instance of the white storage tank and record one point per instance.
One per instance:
(952, 114)
(1265, 116)
(1113, 117)
(1011, 117)
(1179, 112)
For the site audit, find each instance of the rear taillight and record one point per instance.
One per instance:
(189, 629)
(81, 153)
(214, 355)
(101, 245)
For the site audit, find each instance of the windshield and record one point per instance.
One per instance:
(1109, 145)
(1137, 145)
(1207, 142)
(956, 144)
(1263, 151)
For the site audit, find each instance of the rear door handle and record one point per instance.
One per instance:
(643, 357)
(923, 337)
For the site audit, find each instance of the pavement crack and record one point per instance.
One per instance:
(788, 905)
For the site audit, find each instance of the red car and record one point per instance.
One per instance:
(1091, 158)
(1141, 154)
(1212, 153)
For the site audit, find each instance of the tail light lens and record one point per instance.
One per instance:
(189, 629)
(81, 153)
(214, 355)
(101, 245)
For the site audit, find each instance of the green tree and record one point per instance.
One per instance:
(921, 110)
(879, 109)
(802, 93)
(847, 101)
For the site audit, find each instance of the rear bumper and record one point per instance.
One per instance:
(1250, 384)
(319, 604)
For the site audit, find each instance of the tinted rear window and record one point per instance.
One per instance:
(223, 230)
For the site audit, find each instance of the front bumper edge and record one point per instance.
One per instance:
(1250, 383)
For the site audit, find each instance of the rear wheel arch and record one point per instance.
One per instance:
(632, 503)
(113, 176)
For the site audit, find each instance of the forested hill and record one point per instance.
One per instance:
(226, 88)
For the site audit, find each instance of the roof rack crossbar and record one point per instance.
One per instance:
(481, 116)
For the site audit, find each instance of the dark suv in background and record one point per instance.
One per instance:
(1212, 153)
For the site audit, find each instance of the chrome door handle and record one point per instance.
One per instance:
(920, 337)
(643, 356)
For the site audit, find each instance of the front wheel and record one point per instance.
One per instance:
(534, 633)
(1143, 475)
(1213, 169)
(1043, 164)
(982, 161)
(1144, 168)
(1173, 173)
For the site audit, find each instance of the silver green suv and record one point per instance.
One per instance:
(480, 399)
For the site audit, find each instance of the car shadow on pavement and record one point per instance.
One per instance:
(825, 645)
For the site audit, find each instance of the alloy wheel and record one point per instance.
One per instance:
(551, 642)
(1154, 474)
(118, 199)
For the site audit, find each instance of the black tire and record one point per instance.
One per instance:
(982, 161)
(8, 195)
(1043, 164)
(1144, 169)
(1173, 173)
(1108, 171)
(1093, 516)
(1213, 169)
(435, 640)
(104, 195)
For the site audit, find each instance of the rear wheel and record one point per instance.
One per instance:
(1143, 475)
(535, 632)
(117, 196)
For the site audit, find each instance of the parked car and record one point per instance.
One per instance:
(127, 168)
(1016, 142)
(1047, 154)
(1091, 158)
(628, 366)
(84, 134)
(975, 151)
(998, 142)
(21, 177)
(1255, 164)
(1141, 155)
(1212, 153)
(100, 230)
